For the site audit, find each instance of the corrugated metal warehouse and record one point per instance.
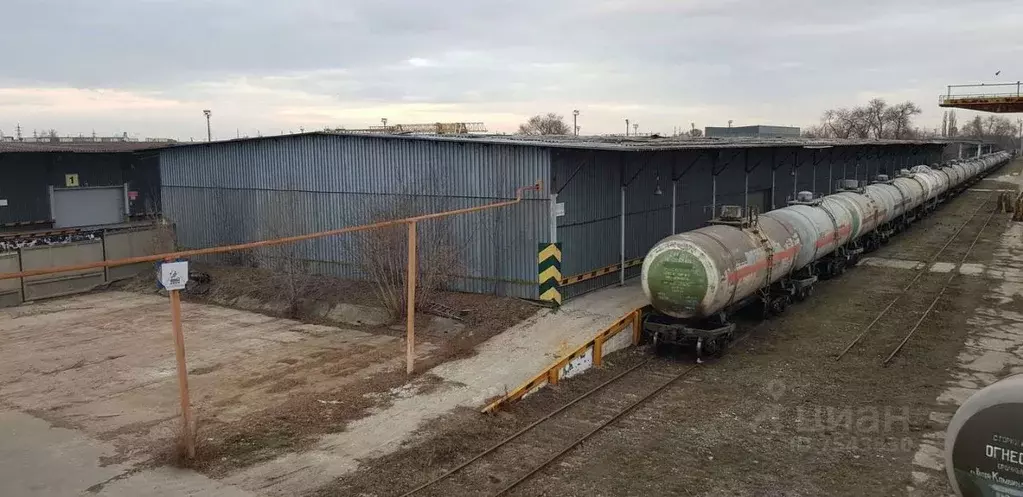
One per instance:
(249, 189)
(47, 185)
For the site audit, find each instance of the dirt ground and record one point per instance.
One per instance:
(261, 385)
(778, 416)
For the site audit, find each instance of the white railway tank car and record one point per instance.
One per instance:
(695, 280)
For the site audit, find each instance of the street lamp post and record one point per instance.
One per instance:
(209, 132)
(575, 122)
(626, 127)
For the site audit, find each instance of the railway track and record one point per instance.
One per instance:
(910, 287)
(558, 433)
(951, 276)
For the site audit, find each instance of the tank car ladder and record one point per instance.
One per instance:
(776, 303)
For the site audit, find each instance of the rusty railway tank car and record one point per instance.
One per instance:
(696, 280)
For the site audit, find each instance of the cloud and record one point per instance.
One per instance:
(152, 65)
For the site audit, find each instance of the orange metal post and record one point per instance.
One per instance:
(637, 326)
(179, 351)
(410, 338)
(598, 351)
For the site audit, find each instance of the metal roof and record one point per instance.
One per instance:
(79, 147)
(618, 143)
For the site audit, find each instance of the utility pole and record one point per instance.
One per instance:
(575, 122)
(635, 129)
(209, 132)
(1020, 124)
(626, 127)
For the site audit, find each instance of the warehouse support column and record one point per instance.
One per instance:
(621, 272)
(795, 181)
(960, 150)
(813, 172)
(795, 173)
(745, 184)
(979, 150)
(674, 204)
(745, 193)
(713, 195)
(773, 170)
(677, 179)
(831, 176)
(554, 218)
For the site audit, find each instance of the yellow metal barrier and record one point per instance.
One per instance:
(614, 268)
(559, 369)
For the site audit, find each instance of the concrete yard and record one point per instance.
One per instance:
(90, 396)
(101, 368)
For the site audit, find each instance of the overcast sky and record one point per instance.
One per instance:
(149, 67)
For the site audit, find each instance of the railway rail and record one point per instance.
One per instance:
(911, 286)
(906, 289)
(590, 416)
(952, 274)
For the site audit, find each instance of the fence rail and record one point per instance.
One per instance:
(982, 91)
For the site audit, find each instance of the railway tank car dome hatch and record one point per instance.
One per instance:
(881, 178)
(848, 185)
(804, 196)
(731, 212)
(984, 437)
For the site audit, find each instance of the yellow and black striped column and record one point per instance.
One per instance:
(549, 270)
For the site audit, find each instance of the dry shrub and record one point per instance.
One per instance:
(162, 239)
(383, 256)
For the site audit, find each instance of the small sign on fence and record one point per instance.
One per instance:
(173, 275)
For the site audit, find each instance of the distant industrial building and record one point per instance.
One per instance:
(758, 131)
(604, 200)
(71, 182)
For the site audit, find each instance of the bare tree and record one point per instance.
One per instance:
(875, 120)
(900, 120)
(878, 114)
(696, 133)
(545, 124)
(997, 129)
(953, 125)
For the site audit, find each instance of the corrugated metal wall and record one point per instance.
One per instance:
(242, 191)
(589, 184)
